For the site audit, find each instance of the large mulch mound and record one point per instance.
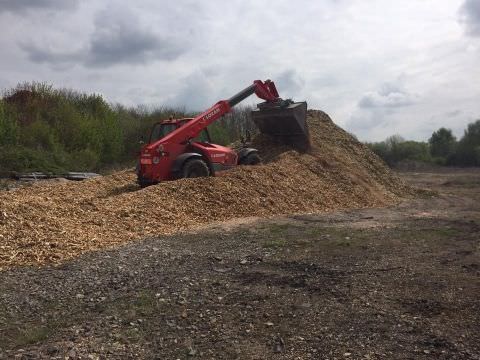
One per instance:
(52, 221)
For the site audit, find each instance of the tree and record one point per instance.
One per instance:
(396, 149)
(8, 127)
(468, 152)
(412, 150)
(442, 143)
(393, 141)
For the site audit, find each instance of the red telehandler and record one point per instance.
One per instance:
(181, 148)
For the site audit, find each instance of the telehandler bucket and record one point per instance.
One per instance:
(284, 124)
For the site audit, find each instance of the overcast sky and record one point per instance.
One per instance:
(377, 67)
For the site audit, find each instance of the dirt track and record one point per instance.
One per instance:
(383, 283)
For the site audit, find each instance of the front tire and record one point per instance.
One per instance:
(195, 168)
(251, 159)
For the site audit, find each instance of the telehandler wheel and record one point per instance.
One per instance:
(195, 168)
(251, 159)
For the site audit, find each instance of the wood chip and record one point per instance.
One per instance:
(50, 222)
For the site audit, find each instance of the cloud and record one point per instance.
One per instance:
(453, 113)
(196, 93)
(21, 6)
(470, 16)
(194, 53)
(377, 111)
(118, 38)
(57, 59)
(121, 39)
(199, 91)
(289, 82)
(390, 95)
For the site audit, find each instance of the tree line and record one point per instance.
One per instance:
(442, 148)
(58, 130)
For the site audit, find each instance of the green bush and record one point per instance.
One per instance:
(21, 159)
(85, 160)
(39, 135)
(219, 134)
(8, 127)
(45, 128)
(395, 149)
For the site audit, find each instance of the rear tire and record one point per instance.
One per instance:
(251, 159)
(195, 168)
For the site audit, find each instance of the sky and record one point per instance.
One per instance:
(377, 67)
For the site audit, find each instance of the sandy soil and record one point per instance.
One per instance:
(400, 282)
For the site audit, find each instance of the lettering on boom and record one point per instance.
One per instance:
(211, 114)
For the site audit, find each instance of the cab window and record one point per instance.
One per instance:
(161, 130)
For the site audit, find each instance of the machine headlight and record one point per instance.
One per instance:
(156, 159)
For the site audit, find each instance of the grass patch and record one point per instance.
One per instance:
(313, 236)
(277, 235)
(35, 334)
(435, 233)
(446, 231)
(426, 193)
(465, 181)
(26, 335)
(428, 234)
(317, 231)
(277, 229)
(132, 334)
(339, 235)
(275, 243)
(343, 242)
(145, 303)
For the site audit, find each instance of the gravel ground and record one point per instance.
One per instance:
(392, 283)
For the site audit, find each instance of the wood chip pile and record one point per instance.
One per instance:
(52, 221)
